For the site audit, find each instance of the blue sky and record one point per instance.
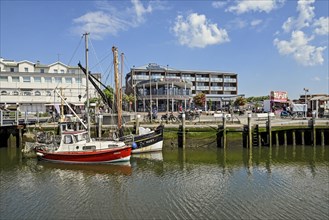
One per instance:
(275, 45)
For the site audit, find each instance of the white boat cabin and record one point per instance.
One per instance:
(80, 141)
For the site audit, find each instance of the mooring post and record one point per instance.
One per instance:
(38, 119)
(183, 130)
(313, 128)
(224, 131)
(277, 138)
(285, 138)
(137, 123)
(249, 131)
(293, 137)
(100, 125)
(303, 137)
(1, 117)
(25, 119)
(322, 137)
(16, 118)
(269, 124)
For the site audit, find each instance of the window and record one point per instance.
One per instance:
(68, 80)
(15, 93)
(37, 79)
(42, 70)
(77, 80)
(15, 78)
(3, 92)
(26, 69)
(58, 79)
(12, 69)
(72, 71)
(27, 93)
(26, 79)
(62, 71)
(48, 93)
(4, 78)
(48, 80)
(55, 71)
(37, 93)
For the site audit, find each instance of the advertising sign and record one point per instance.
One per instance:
(279, 96)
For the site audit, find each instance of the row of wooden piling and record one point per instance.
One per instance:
(251, 136)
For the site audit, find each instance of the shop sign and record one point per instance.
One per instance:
(279, 96)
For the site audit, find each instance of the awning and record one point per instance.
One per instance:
(318, 98)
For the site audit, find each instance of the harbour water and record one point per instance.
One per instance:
(289, 182)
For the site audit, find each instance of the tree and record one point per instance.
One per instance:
(199, 99)
(109, 92)
(128, 99)
(240, 101)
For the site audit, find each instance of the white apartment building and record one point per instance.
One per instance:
(31, 86)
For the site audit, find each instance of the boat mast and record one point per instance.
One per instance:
(87, 83)
(117, 86)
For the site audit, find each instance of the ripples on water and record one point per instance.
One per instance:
(208, 183)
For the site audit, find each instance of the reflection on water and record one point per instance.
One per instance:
(196, 183)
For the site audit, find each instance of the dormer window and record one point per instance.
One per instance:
(26, 69)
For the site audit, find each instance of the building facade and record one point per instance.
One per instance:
(167, 89)
(31, 86)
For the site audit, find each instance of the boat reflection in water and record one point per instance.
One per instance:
(150, 156)
(120, 168)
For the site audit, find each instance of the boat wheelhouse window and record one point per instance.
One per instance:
(91, 147)
(68, 139)
(82, 137)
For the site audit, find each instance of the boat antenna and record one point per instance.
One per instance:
(87, 83)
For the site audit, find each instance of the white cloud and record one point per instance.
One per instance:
(302, 52)
(197, 31)
(140, 10)
(109, 20)
(218, 4)
(316, 78)
(299, 45)
(256, 22)
(244, 6)
(99, 23)
(322, 26)
(306, 14)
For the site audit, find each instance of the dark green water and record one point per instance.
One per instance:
(198, 183)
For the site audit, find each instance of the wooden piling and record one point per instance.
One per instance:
(322, 138)
(285, 138)
(269, 125)
(183, 131)
(294, 138)
(313, 129)
(277, 139)
(100, 125)
(224, 131)
(249, 131)
(303, 137)
(137, 124)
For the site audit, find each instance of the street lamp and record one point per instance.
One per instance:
(306, 91)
